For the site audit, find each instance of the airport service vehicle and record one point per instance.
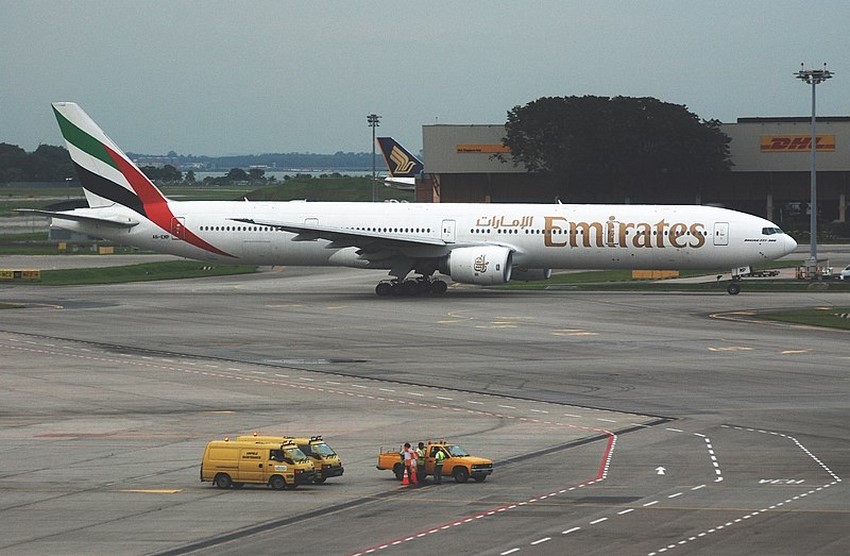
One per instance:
(325, 461)
(458, 463)
(279, 465)
(845, 274)
(473, 243)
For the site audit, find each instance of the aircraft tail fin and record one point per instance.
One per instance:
(400, 162)
(107, 175)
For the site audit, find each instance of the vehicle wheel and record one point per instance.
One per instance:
(384, 289)
(319, 480)
(733, 288)
(222, 480)
(460, 474)
(479, 478)
(438, 287)
(277, 482)
(398, 469)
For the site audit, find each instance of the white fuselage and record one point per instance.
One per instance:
(540, 236)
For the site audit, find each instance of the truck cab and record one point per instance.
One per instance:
(323, 457)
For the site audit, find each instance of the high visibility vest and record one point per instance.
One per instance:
(439, 457)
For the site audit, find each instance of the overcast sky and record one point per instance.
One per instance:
(227, 77)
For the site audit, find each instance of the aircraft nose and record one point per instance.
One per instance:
(790, 244)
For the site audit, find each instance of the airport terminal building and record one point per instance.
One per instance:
(770, 176)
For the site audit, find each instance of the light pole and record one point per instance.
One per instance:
(374, 121)
(813, 77)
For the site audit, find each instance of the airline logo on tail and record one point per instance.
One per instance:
(109, 177)
(400, 162)
(403, 164)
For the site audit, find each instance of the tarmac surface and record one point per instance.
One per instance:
(620, 423)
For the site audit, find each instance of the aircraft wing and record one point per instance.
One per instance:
(371, 246)
(119, 221)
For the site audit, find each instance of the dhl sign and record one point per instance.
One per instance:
(795, 143)
(493, 148)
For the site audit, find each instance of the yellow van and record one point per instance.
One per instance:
(325, 460)
(279, 465)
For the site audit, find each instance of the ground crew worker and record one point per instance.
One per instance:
(420, 460)
(407, 455)
(414, 464)
(439, 460)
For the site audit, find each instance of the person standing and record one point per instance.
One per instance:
(420, 460)
(414, 465)
(439, 460)
(407, 455)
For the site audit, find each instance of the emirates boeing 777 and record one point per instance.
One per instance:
(471, 243)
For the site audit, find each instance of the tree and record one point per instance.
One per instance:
(601, 148)
(237, 174)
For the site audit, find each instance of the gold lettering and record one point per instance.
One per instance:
(677, 230)
(585, 228)
(659, 230)
(643, 235)
(609, 231)
(548, 226)
(624, 230)
(698, 231)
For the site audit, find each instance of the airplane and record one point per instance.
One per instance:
(472, 243)
(402, 165)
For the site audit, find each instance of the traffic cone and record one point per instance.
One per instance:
(404, 479)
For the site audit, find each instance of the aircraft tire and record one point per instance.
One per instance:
(384, 289)
(438, 287)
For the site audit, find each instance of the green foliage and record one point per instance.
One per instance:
(46, 163)
(139, 273)
(166, 173)
(601, 147)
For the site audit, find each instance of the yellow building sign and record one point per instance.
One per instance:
(483, 148)
(795, 143)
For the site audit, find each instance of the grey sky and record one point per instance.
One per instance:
(226, 77)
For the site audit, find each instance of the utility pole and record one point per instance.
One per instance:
(813, 77)
(374, 121)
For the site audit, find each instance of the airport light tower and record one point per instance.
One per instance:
(813, 77)
(374, 121)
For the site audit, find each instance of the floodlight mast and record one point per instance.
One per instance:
(813, 77)
(374, 121)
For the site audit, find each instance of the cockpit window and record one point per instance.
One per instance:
(770, 231)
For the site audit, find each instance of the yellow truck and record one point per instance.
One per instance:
(457, 463)
(279, 465)
(325, 460)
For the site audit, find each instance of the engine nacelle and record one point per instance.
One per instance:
(531, 274)
(486, 265)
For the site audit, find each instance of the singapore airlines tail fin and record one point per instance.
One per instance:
(107, 175)
(401, 164)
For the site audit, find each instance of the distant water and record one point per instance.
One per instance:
(280, 174)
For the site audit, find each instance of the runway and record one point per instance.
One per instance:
(620, 423)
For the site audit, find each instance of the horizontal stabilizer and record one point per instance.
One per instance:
(118, 221)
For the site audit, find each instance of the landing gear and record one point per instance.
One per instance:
(410, 288)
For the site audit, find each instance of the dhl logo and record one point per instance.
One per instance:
(795, 143)
(402, 162)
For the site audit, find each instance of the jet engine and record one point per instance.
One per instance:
(531, 274)
(486, 265)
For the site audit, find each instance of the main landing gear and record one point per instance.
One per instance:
(411, 288)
